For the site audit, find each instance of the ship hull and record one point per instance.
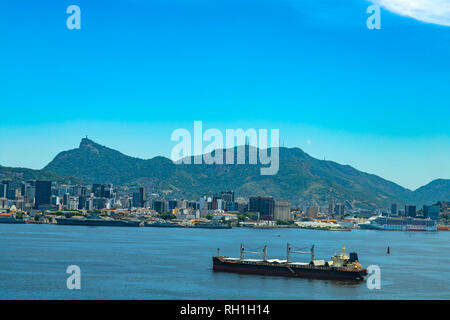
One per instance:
(287, 270)
(11, 220)
(212, 226)
(97, 223)
(398, 227)
(163, 225)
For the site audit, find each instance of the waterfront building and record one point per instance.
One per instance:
(96, 190)
(312, 212)
(143, 196)
(172, 204)
(264, 205)
(90, 204)
(193, 204)
(282, 210)
(394, 209)
(339, 210)
(137, 200)
(63, 190)
(230, 206)
(431, 212)
(228, 196)
(82, 202)
(43, 193)
(106, 191)
(331, 207)
(182, 204)
(3, 188)
(10, 188)
(55, 200)
(203, 203)
(220, 204)
(410, 211)
(3, 203)
(65, 199)
(241, 205)
(78, 191)
(214, 203)
(73, 203)
(209, 204)
(99, 203)
(29, 193)
(159, 206)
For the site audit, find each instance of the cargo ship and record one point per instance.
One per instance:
(399, 224)
(340, 267)
(212, 225)
(95, 221)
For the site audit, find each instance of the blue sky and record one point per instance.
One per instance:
(378, 100)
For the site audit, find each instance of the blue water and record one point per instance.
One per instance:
(175, 263)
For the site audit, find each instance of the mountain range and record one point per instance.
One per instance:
(300, 178)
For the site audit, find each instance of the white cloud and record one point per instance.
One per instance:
(430, 11)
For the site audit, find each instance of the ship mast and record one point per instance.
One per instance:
(289, 251)
(264, 252)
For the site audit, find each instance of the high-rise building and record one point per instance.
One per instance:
(312, 212)
(29, 192)
(98, 203)
(78, 191)
(203, 203)
(82, 202)
(137, 200)
(241, 205)
(73, 203)
(42, 193)
(106, 191)
(63, 189)
(143, 196)
(172, 204)
(55, 200)
(410, 211)
(221, 204)
(65, 200)
(182, 204)
(11, 189)
(230, 206)
(331, 206)
(282, 210)
(159, 206)
(193, 204)
(3, 189)
(96, 190)
(394, 209)
(431, 212)
(264, 205)
(339, 210)
(228, 196)
(214, 203)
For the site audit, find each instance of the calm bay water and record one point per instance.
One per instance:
(165, 263)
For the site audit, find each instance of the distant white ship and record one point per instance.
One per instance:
(400, 224)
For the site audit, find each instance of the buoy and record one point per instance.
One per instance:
(388, 251)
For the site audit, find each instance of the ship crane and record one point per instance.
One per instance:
(264, 252)
(289, 251)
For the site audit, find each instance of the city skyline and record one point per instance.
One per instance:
(136, 71)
